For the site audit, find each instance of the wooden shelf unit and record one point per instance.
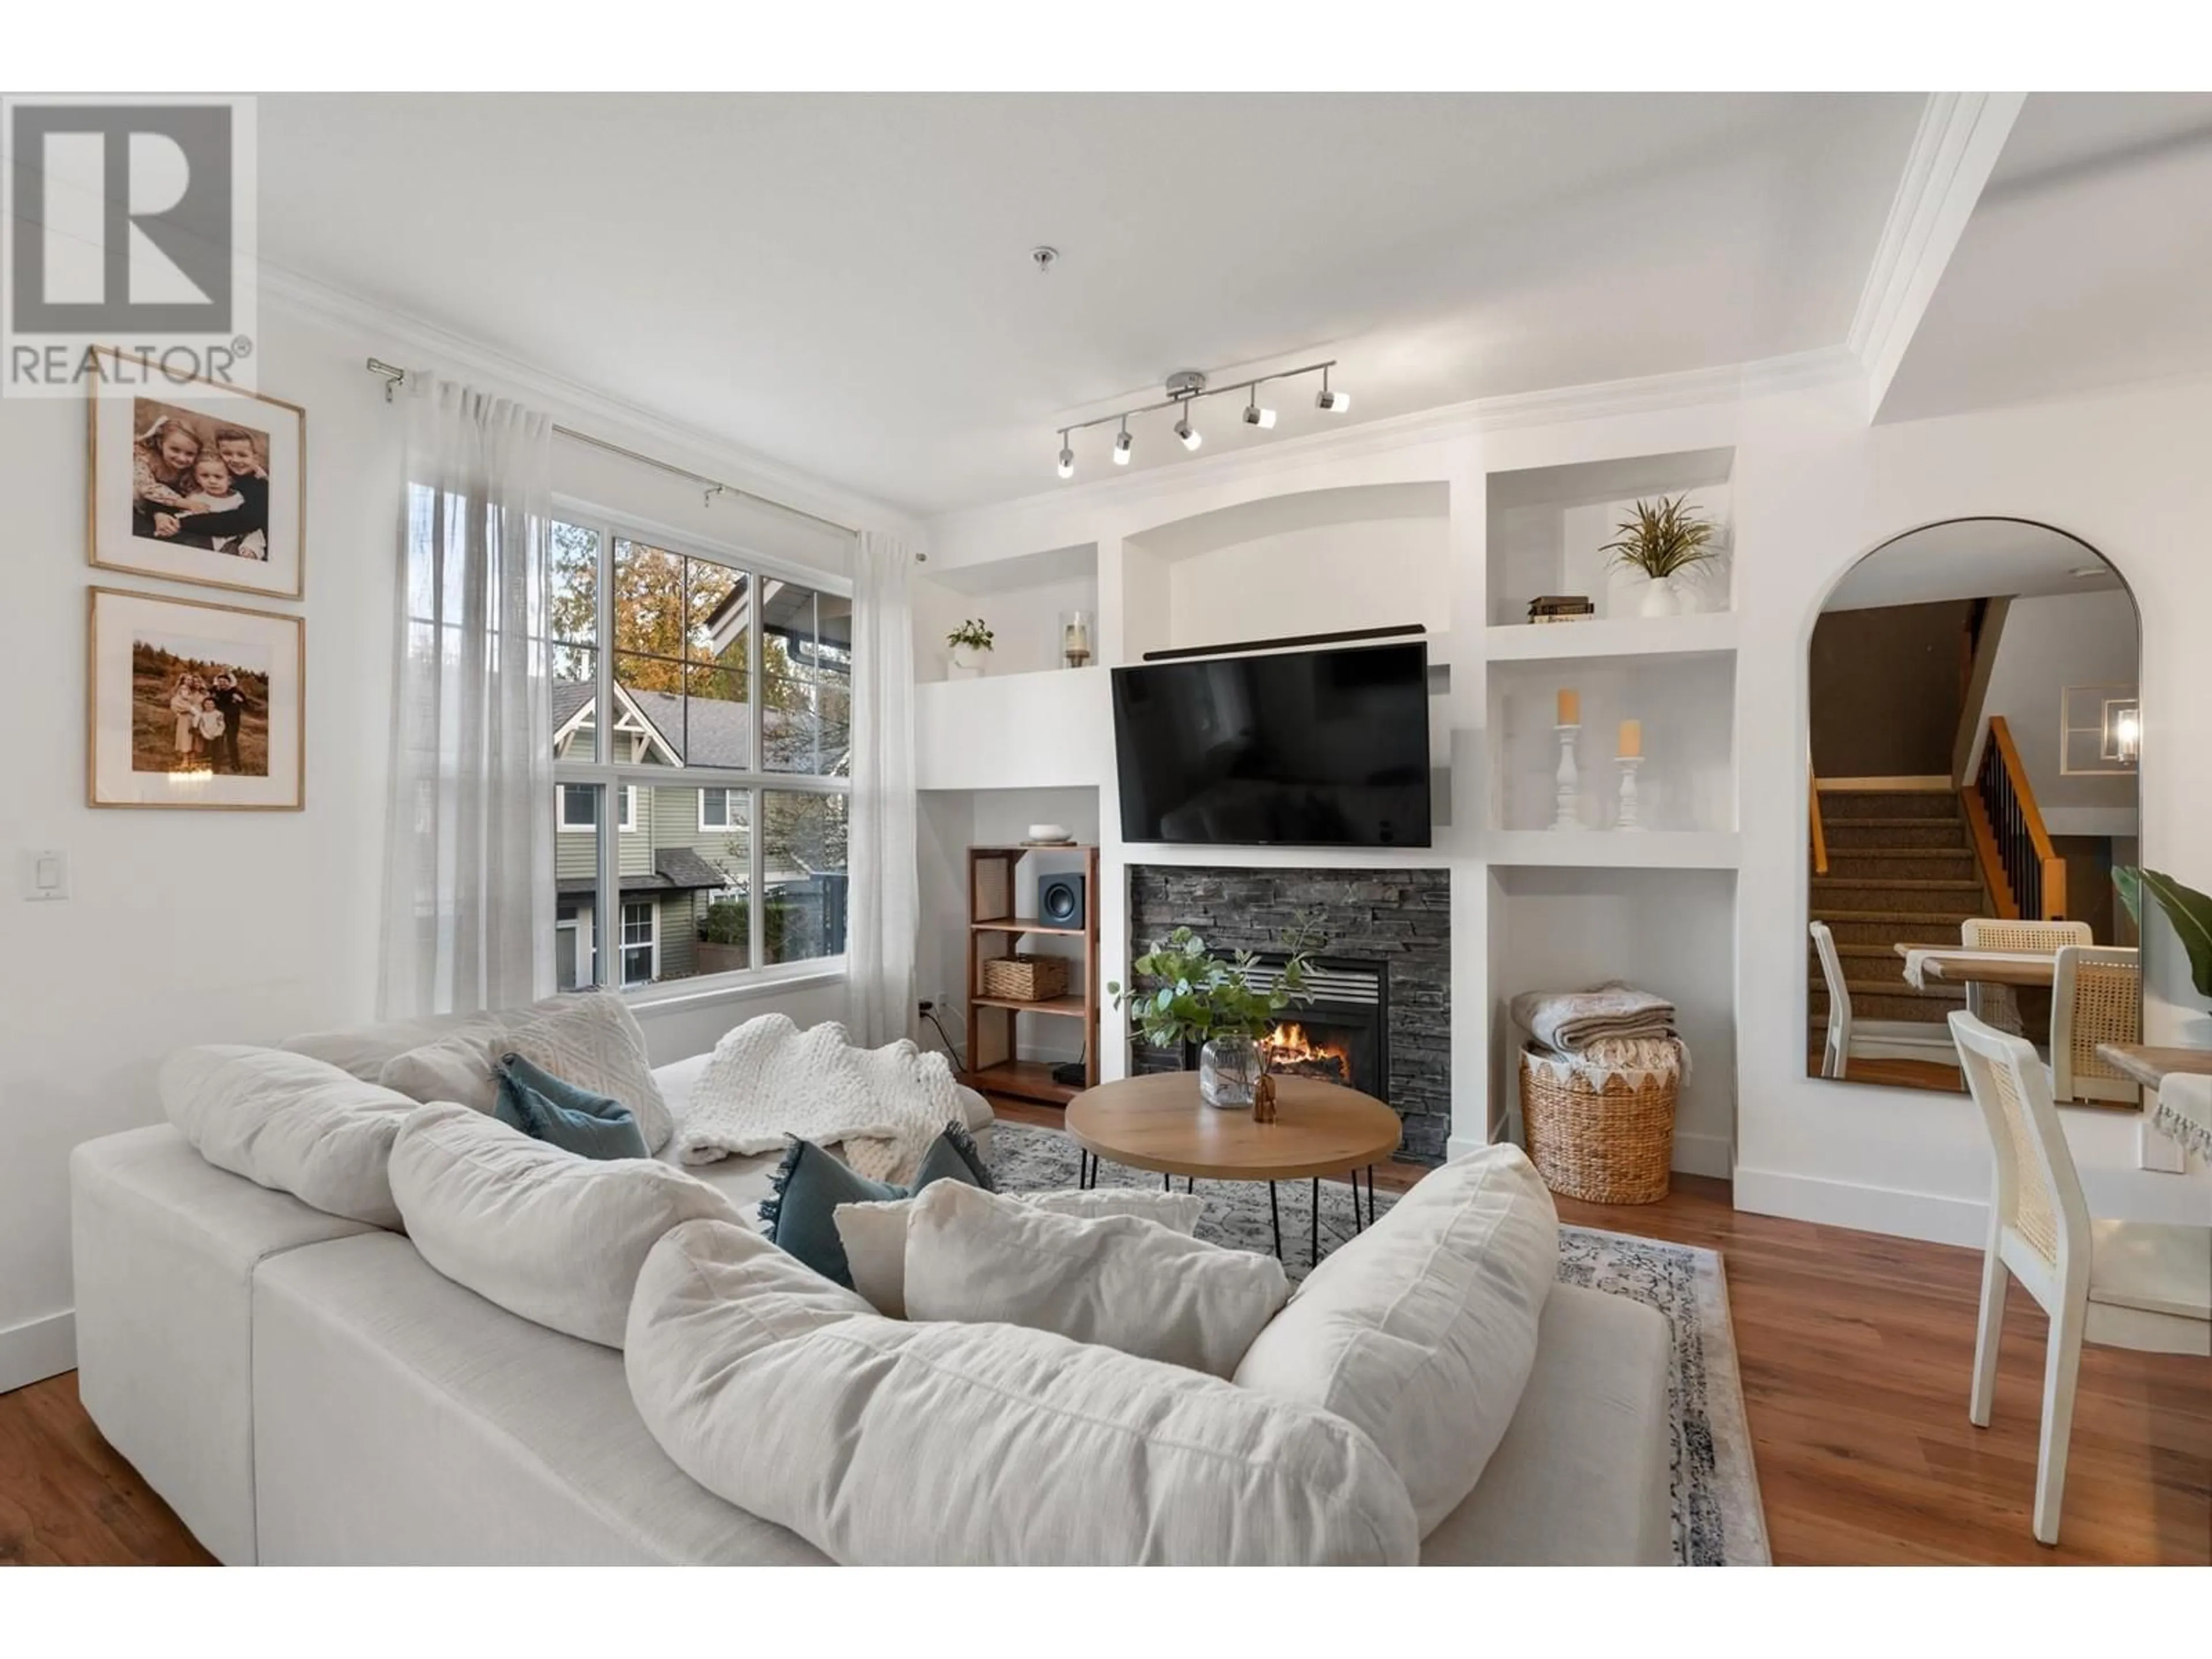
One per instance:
(994, 930)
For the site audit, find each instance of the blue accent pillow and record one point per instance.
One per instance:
(546, 1109)
(801, 1215)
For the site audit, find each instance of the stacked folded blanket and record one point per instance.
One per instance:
(1613, 1026)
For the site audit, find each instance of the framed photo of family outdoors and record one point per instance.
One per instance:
(196, 482)
(195, 705)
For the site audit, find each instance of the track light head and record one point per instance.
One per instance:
(1066, 458)
(1254, 415)
(1122, 445)
(1331, 403)
(1191, 436)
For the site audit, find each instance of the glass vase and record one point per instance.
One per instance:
(1229, 1071)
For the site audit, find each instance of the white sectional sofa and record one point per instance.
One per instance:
(305, 1389)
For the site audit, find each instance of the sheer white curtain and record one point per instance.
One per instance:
(884, 904)
(468, 898)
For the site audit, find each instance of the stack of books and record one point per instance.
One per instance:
(1561, 608)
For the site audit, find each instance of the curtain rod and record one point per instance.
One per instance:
(393, 376)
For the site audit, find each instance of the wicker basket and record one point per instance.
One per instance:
(1025, 979)
(1605, 1137)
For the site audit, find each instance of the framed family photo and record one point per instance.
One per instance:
(196, 482)
(195, 705)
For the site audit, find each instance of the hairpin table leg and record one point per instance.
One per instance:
(1313, 1255)
(1275, 1220)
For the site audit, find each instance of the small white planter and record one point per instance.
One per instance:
(969, 661)
(1661, 598)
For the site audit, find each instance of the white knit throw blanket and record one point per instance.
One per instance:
(770, 1080)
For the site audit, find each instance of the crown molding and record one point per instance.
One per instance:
(1695, 388)
(399, 332)
(1953, 153)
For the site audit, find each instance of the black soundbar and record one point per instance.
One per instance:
(1285, 643)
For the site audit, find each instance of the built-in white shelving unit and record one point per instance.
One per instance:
(1598, 849)
(1712, 633)
(1551, 909)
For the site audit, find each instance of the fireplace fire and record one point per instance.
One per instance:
(1289, 1052)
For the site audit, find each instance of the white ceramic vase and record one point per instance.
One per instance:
(971, 659)
(1661, 598)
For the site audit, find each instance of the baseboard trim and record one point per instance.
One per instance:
(37, 1349)
(1705, 1155)
(1894, 1210)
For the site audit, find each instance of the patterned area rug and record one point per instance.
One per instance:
(1717, 1518)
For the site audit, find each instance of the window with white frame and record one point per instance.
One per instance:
(640, 942)
(715, 690)
(580, 808)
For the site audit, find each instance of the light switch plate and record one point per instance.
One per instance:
(45, 874)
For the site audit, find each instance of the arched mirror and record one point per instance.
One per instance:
(1975, 743)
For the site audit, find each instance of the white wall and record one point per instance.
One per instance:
(2047, 645)
(185, 927)
(1293, 582)
(1813, 488)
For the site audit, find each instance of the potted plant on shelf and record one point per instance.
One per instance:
(971, 644)
(1193, 997)
(1662, 541)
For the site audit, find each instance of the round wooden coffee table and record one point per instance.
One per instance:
(1158, 1123)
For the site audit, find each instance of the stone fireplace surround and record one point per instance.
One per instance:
(1400, 918)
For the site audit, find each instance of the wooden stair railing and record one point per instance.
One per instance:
(2026, 877)
(1820, 830)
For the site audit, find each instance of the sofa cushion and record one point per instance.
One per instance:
(588, 1038)
(801, 1215)
(164, 1249)
(542, 1106)
(284, 1121)
(1583, 1476)
(885, 1443)
(542, 1232)
(1422, 1330)
(365, 1050)
(1121, 1281)
(873, 1234)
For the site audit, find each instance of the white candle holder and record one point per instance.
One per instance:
(1569, 779)
(1628, 765)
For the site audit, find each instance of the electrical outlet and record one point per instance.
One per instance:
(927, 1005)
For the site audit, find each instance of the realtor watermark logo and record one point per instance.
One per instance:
(129, 223)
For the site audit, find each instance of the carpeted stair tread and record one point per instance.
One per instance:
(1911, 885)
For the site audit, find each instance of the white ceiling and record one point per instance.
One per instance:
(843, 282)
(2085, 263)
(1971, 559)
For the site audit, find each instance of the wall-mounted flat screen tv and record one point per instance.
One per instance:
(1323, 748)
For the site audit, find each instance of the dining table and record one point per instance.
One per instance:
(2183, 1109)
(1957, 965)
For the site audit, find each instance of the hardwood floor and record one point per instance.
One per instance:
(67, 1499)
(1855, 1351)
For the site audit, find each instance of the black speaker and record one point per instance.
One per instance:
(1060, 901)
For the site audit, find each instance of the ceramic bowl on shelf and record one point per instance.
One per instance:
(1048, 832)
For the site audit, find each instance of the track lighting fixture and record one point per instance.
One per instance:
(1184, 388)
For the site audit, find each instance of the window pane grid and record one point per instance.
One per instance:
(655, 654)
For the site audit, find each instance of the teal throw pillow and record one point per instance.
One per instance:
(545, 1108)
(801, 1215)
